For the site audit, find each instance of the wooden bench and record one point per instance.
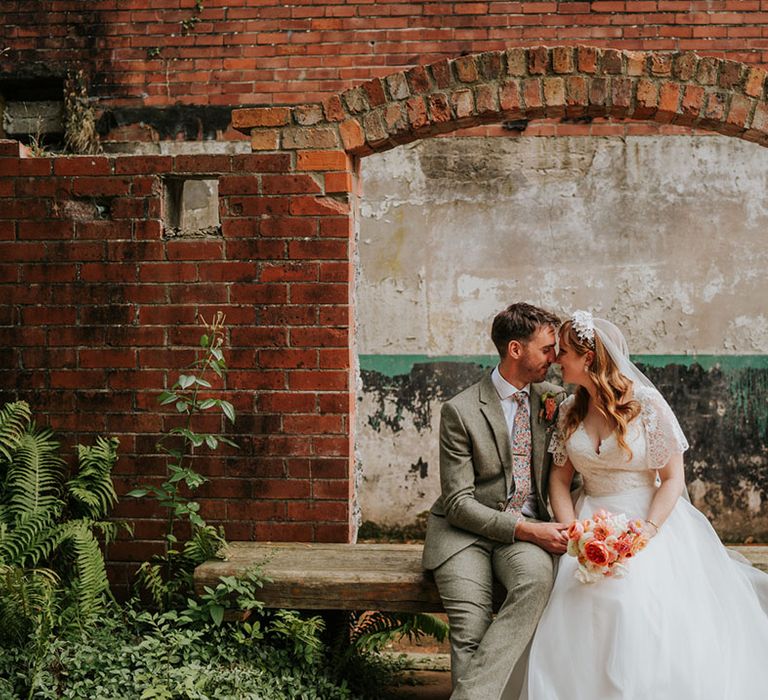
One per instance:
(385, 577)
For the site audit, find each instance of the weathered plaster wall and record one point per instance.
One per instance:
(664, 235)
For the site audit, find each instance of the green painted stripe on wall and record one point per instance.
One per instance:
(392, 365)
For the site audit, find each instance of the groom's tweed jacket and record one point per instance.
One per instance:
(476, 470)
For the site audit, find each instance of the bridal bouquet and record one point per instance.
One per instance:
(603, 543)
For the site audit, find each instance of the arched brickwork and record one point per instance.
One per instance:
(324, 142)
(666, 87)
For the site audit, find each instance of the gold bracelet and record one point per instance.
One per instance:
(650, 522)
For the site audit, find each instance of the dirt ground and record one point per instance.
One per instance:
(425, 684)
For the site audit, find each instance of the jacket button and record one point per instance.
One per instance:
(500, 505)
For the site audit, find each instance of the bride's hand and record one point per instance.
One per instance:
(650, 529)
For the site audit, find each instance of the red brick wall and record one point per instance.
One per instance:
(240, 52)
(98, 314)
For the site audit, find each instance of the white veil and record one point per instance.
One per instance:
(614, 342)
(665, 434)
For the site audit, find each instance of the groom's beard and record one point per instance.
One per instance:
(536, 372)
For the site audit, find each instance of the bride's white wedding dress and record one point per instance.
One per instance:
(688, 622)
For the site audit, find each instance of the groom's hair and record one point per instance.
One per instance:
(519, 322)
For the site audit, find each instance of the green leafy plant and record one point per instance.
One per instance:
(168, 578)
(371, 631)
(195, 651)
(135, 654)
(49, 523)
(52, 573)
(234, 593)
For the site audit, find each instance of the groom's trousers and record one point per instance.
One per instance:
(484, 651)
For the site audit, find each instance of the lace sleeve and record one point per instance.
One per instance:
(557, 443)
(663, 433)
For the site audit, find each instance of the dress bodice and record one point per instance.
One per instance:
(611, 470)
(651, 437)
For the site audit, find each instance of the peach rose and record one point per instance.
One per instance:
(639, 544)
(601, 514)
(602, 531)
(575, 530)
(597, 553)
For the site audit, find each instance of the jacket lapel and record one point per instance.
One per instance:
(538, 437)
(490, 406)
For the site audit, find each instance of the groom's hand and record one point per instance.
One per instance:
(551, 537)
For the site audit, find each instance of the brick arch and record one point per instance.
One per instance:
(681, 88)
(296, 213)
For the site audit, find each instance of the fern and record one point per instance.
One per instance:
(205, 543)
(371, 631)
(50, 557)
(150, 578)
(14, 419)
(91, 492)
(110, 528)
(28, 601)
(90, 580)
(32, 538)
(35, 473)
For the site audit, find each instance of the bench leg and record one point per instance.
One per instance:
(336, 633)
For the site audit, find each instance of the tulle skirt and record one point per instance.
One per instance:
(687, 622)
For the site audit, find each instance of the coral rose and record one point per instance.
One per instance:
(623, 546)
(597, 553)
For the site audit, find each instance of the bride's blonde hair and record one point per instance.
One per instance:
(614, 390)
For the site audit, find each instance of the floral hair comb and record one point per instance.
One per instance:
(584, 326)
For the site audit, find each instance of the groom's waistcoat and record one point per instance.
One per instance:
(476, 470)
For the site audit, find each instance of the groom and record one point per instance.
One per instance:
(490, 519)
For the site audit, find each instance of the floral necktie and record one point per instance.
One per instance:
(521, 454)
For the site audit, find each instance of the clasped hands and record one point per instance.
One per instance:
(553, 536)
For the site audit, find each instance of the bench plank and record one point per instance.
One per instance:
(349, 576)
(332, 576)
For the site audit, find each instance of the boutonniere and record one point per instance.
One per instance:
(548, 406)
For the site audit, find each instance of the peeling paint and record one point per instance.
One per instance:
(657, 233)
(721, 404)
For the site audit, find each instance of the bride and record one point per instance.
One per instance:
(687, 621)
